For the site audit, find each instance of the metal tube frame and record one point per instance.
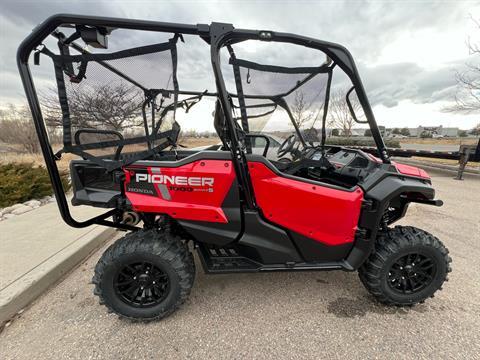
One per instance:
(217, 35)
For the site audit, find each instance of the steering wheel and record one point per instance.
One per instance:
(287, 146)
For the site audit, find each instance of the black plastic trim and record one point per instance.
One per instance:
(219, 234)
(266, 243)
(380, 195)
(315, 251)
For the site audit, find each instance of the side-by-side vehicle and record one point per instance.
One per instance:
(270, 196)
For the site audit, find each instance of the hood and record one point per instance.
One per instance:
(411, 170)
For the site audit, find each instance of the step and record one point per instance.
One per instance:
(220, 260)
(225, 260)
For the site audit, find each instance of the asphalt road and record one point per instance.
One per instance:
(277, 315)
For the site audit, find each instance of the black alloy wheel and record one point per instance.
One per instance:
(142, 284)
(411, 273)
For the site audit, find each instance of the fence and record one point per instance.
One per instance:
(464, 154)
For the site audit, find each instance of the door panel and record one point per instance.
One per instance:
(324, 214)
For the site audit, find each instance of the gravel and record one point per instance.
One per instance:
(303, 315)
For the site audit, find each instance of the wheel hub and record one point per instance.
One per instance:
(142, 284)
(144, 279)
(411, 273)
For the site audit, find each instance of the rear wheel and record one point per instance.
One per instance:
(408, 266)
(145, 275)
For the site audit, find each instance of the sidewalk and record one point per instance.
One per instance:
(37, 249)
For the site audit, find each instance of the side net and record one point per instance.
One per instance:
(267, 98)
(119, 107)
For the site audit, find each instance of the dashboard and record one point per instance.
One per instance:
(350, 166)
(343, 157)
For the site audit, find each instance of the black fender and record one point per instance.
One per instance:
(376, 200)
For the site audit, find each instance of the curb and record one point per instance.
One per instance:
(31, 285)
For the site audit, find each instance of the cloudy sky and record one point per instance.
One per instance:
(407, 52)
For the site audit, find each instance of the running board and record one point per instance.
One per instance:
(217, 260)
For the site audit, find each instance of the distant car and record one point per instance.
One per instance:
(399, 136)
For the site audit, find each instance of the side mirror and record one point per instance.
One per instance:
(256, 144)
(355, 107)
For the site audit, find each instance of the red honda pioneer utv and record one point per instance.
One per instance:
(304, 206)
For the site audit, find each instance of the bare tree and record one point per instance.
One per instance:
(339, 115)
(305, 112)
(475, 130)
(17, 128)
(467, 97)
(104, 106)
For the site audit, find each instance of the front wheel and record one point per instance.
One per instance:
(407, 266)
(145, 275)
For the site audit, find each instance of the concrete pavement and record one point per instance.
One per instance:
(36, 249)
(307, 315)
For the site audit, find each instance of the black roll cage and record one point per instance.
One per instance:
(218, 35)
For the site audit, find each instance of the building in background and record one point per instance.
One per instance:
(425, 131)
(420, 131)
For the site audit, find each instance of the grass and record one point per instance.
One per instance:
(470, 164)
(10, 154)
(443, 141)
(35, 160)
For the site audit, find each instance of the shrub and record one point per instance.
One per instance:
(360, 142)
(475, 130)
(426, 135)
(23, 182)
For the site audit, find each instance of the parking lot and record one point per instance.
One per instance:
(304, 315)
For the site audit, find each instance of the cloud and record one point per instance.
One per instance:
(365, 28)
(392, 83)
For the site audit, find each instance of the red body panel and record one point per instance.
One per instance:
(321, 213)
(180, 192)
(411, 170)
